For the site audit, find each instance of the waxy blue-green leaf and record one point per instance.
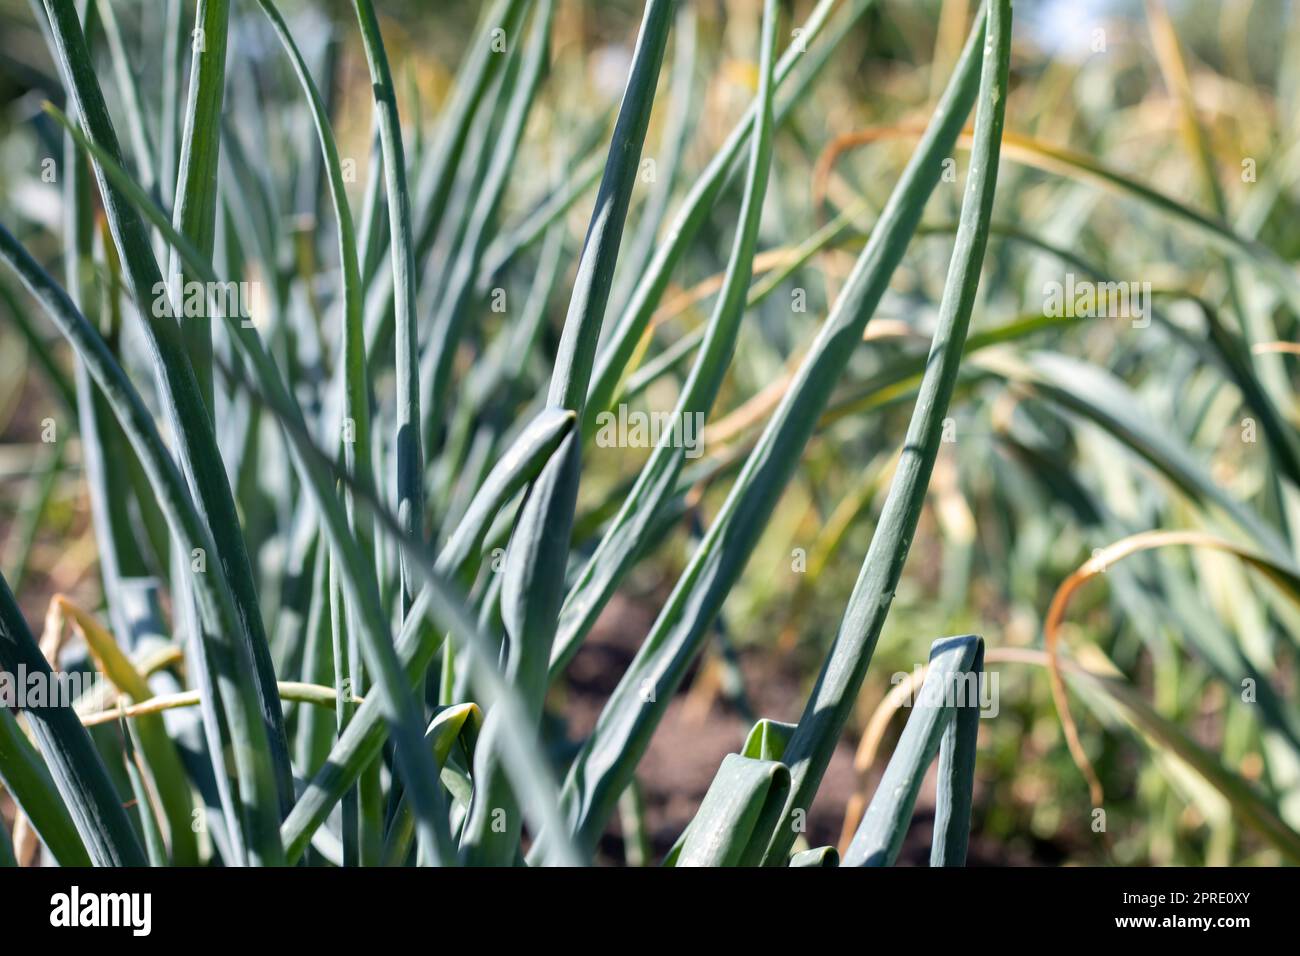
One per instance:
(417, 645)
(449, 318)
(73, 763)
(884, 825)
(625, 537)
(822, 856)
(29, 783)
(359, 581)
(533, 579)
(831, 701)
(456, 723)
(623, 338)
(260, 747)
(605, 764)
(746, 797)
(409, 465)
(194, 212)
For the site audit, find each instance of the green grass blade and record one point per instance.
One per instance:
(884, 825)
(482, 63)
(355, 433)
(521, 463)
(534, 575)
(1093, 393)
(832, 699)
(531, 592)
(175, 40)
(194, 213)
(28, 781)
(682, 106)
(196, 442)
(107, 456)
(449, 318)
(957, 769)
(625, 538)
(39, 349)
(356, 408)
(746, 797)
(624, 337)
(439, 600)
(31, 510)
(128, 89)
(158, 751)
(605, 764)
(450, 725)
(577, 350)
(74, 765)
(822, 856)
(155, 846)
(314, 469)
(1077, 166)
(410, 456)
(211, 590)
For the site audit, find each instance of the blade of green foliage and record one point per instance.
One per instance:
(625, 538)
(74, 765)
(533, 580)
(1092, 392)
(155, 846)
(573, 360)
(417, 646)
(38, 349)
(439, 599)
(355, 436)
(211, 589)
(356, 389)
(1164, 733)
(452, 311)
(746, 797)
(822, 856)
(832, 699)
(360, 585)
(605, 764)
(956, 785)
(513, 239)
(31, 510)
(107, 455)
(155, 747)
(485, 58)
(622, 341)
(194, 213)
(128, 89)
(175, 40)
(450, 725)
(682, 105)
(410, 454)
(532, 586)
(767, 739)
(884, 825)
(263, 758)
(1251, 252)
(28, 781)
